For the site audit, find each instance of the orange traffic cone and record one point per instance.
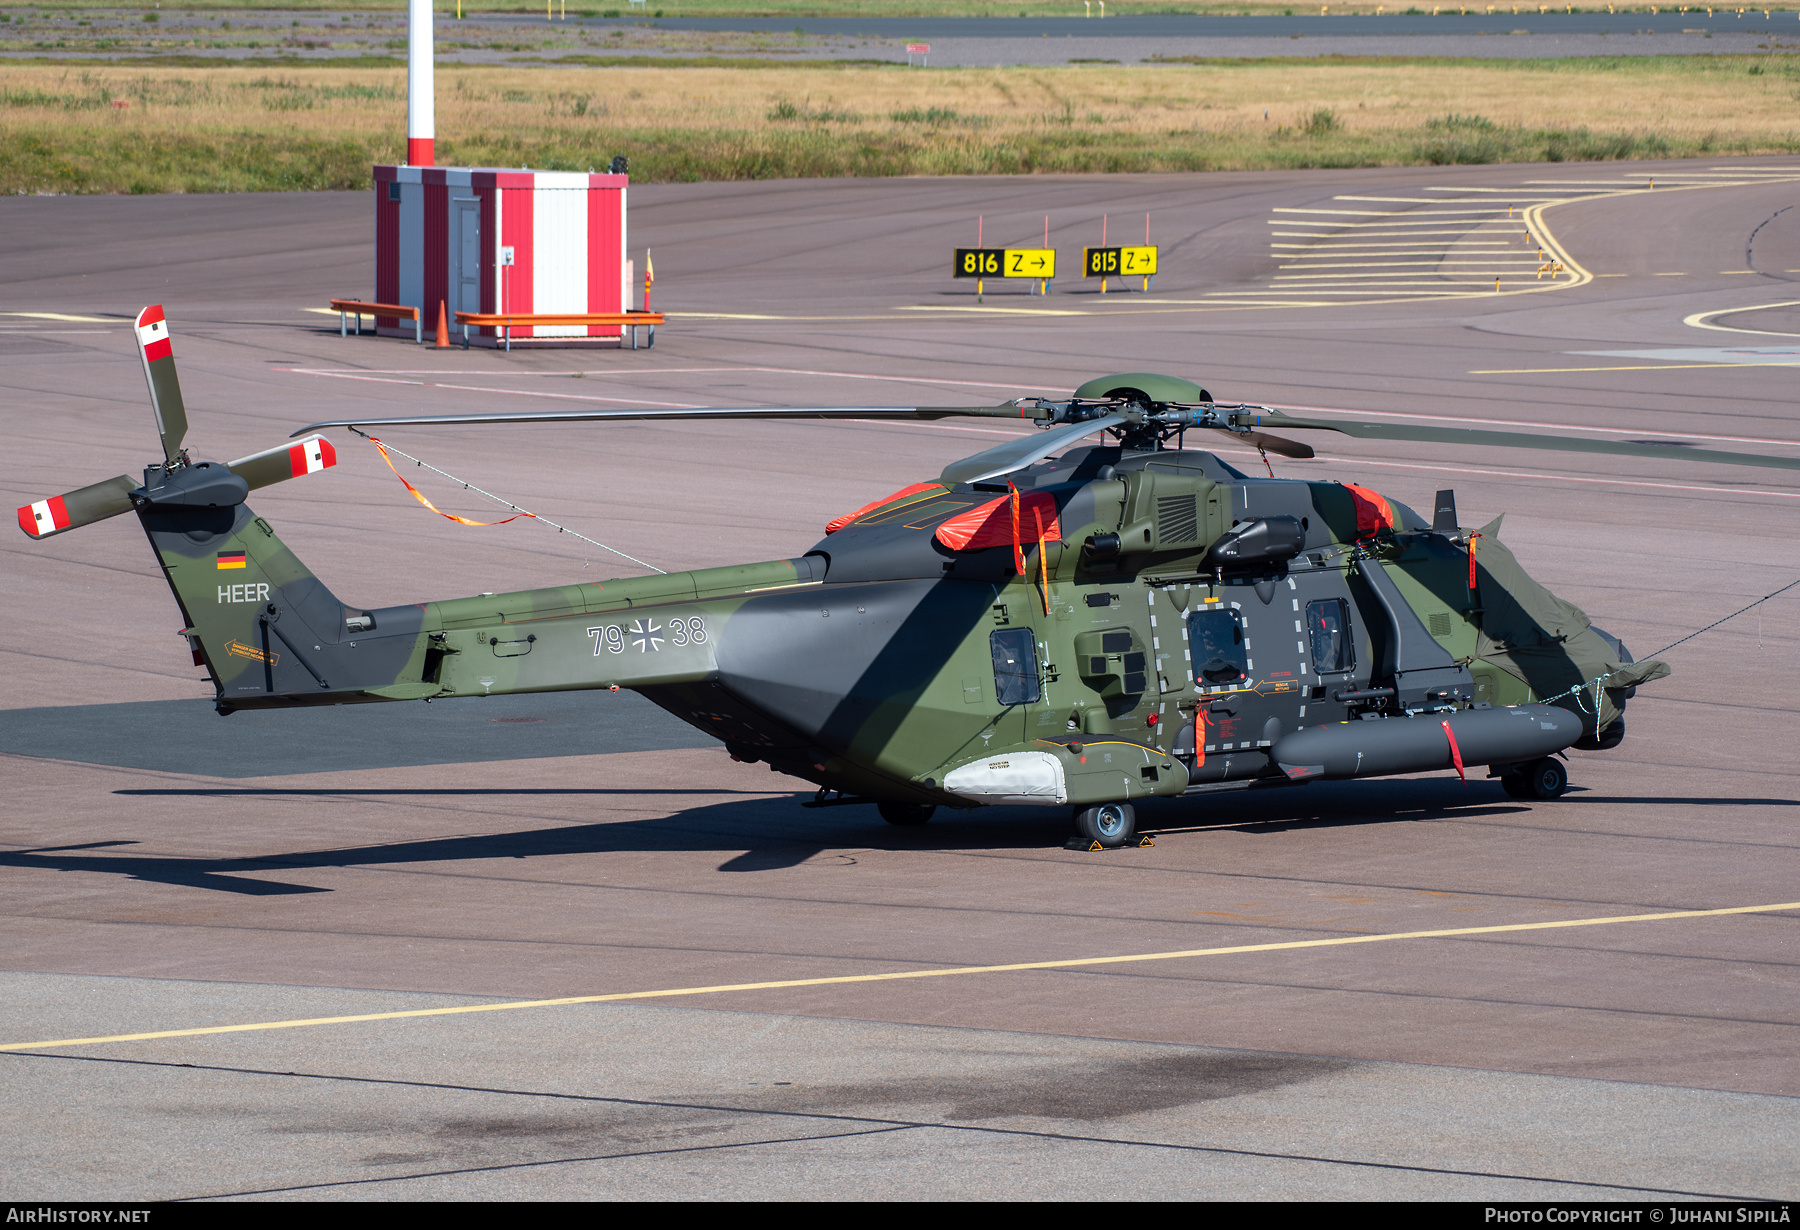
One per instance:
(443, 333)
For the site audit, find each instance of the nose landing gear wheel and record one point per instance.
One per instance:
(905, 813)
(1110, 824)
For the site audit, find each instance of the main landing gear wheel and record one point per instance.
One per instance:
(905, 813)
(1110, 824)
(1541, 780)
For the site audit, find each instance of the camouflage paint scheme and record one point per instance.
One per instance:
(938, 648)
(865, 666)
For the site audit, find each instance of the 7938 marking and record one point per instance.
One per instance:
(647, 636)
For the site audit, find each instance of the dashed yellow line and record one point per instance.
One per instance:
(900, 975)
(992, 311)
(1429, 200)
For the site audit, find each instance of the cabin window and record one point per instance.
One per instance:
(1015, 666)
(1216, 643)
(1328, 628)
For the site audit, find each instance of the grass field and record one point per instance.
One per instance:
(867, 8)
(248, 129)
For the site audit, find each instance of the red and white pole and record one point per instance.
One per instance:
(421, 123)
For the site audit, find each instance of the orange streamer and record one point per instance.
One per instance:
(1018, 550)
(420, 496)
(1472, 538)
(1043, 562)
(1455, 751)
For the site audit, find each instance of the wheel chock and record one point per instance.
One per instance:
(1094, 847)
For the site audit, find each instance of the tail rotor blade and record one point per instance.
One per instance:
(74, 509)
(165, 387)
(286, 461)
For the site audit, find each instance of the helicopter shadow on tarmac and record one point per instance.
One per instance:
(760, 834)
(771, 833)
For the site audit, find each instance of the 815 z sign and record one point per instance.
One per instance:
(1137, 262)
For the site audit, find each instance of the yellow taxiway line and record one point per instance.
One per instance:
(1703, 320)
(67, 319)
(900, 975)
(1635, 367)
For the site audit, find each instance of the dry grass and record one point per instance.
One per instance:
(892, 8)
(222, 129)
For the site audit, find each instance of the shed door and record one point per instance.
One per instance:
(466, 290)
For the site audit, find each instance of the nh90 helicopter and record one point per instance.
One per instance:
(1052, 622)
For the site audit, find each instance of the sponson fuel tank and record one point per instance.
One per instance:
(1506, 734)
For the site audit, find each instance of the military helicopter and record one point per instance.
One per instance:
(1059, 621)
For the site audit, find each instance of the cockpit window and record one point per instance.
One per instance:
(1328, 628)
(1216, 642)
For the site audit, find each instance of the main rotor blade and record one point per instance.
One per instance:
(1007, 411)
(1017, 454)
(1274, 444)
(1511, 439)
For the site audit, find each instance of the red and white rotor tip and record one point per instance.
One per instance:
(286, 461)
(311, 455)
(153, 333)
(44, 517)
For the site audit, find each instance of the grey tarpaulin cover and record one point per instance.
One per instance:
(1533, 635)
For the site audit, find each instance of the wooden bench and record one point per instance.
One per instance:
(508, 321)
(346, 308)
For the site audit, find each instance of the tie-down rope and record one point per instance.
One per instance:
(518, 512)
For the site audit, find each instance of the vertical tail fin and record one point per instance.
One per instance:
(268, 630)
(257, 615)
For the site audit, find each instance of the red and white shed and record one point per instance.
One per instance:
(483, 239)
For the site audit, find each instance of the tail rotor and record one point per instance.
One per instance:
(57, 514)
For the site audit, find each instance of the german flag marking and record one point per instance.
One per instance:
(231, 559)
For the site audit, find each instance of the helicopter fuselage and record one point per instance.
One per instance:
(1156, 621)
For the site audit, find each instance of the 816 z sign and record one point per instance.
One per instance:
(1005, 263)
